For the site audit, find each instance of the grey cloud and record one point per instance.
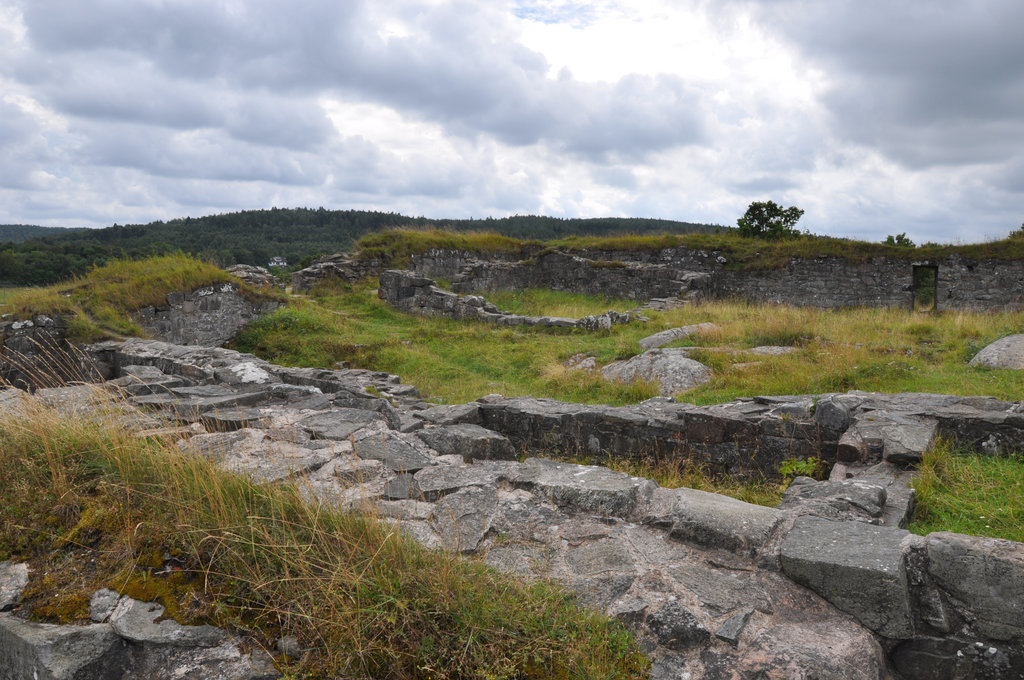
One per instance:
(925, 83)
(457, 69)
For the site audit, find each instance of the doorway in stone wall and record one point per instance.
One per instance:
(925, 283)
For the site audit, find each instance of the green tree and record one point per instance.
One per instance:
(899, 240)
(768, 220)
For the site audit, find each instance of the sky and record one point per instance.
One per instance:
(875, 117)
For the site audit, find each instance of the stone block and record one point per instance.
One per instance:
(985, 576)
(860, 568)
(719, 522)
(472, 442)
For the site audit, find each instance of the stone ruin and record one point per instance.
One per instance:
(690, 274)
(827, 585)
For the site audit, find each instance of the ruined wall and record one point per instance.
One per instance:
(36, 352)
(211, 315)
(827, 282)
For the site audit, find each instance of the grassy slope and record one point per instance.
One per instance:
(90, 506)
(100, 303)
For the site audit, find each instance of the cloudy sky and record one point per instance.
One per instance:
(876, 117)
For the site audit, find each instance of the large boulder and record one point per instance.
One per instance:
(670, 368)
(1006, 352)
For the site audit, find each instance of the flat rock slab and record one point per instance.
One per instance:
(673, 334)
(583, 487)
(251, 452)
(1006, 352)
(393, 451)
(338, 424)
(137, 621)
(671, 369)
(472, 442)
(857, 567)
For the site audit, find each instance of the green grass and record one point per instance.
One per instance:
(100, 304)
(88, 506)
(396, 245)
(883, 350)
(970, 494)
(447, 360)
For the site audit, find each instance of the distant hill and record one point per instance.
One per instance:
(23, 232)
(256, 236)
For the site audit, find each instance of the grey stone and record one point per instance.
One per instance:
(338, 424)
(598, 558)
(234, 419)
(905, 443)
(1006, 352)
(451, 415)
(671, 369)
(401, 487)
(223, 662)
(732, 628)
(583, 487)
(851, 499)
(986, 578)
(102, 604)
(719, 522)
(857, 567)
(832, 415)
(462, 518)
(13, 579)
(357, 471)
(435, 482)
(677, 628)
(472, 442)
(721, 591)
(42, 651)
(672, 334)
(389, 448)
(136, 621)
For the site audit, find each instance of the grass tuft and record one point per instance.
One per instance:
(969, 494)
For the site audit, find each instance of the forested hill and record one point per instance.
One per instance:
(23, 232)
(255, 236)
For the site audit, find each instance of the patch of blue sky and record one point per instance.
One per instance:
(576, 14)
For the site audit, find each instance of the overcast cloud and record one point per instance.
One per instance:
(875, 117)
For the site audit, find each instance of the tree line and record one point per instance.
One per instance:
(255, 236)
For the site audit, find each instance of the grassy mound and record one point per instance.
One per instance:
(100, 303)
(89, 506)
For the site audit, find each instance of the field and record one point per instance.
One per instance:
(834, 351)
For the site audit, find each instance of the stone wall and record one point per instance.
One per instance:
(36, 352)
(420, 295)
(827, 282)
(211, 315)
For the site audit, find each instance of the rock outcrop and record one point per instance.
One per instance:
(671, 369)
(1006, 352)
(827, 585)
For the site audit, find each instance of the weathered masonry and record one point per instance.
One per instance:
(952, 282)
